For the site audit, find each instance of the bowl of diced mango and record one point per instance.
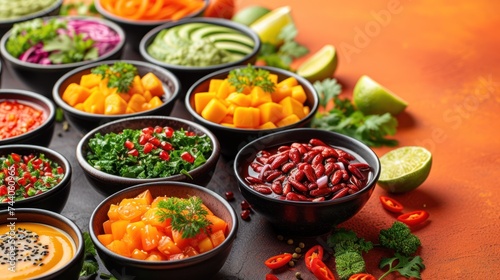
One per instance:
(242, 103)
(101, 92)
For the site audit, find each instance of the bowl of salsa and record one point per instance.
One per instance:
(26, 117)
(33, 176)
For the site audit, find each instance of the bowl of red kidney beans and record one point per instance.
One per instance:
(33, 177)
(306, 181)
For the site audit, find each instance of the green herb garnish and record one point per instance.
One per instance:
(283, 56)
(120, 75)
(344, 118)
(187, 215)
(250, 77)
(90, 265)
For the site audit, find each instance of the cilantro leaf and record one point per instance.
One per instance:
(120, 75)
(406, 266)
(344, 118)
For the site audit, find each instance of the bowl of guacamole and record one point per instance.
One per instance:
(195, 47)
(12, 12)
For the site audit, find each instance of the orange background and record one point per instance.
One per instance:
(443, 58)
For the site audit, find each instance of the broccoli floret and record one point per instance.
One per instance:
(349, 263)
(348, 248)
(399, 238)
(342, 240)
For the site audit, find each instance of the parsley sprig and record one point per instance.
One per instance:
(344, 118)
(187, 215)
(120, 75)
(250, 76)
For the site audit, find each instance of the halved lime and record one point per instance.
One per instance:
(404, 169)
(269, 26)
(250, 14)
(320, 65)
(371, 98)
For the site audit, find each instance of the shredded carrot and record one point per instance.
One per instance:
(152, 9)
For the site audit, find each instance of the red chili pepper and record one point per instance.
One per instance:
(270, 276)
(414, 217)
(314, 252)
(187, 157)
(362, 276)
(278, 261)
(390, 204)
(320, 270)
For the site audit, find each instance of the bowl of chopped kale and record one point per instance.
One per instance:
(146, 149)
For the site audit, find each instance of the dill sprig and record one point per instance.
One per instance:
(187, 215)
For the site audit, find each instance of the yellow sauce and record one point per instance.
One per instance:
(41, 250)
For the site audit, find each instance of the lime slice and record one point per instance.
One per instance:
(320, 65)
(269, 26)
(250, 14)
(404, 169)
(372, 98)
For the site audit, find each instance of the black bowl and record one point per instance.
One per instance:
(108, 184)
(85, 122)
(233, 139)
(42, 135)
(41, 78)
(306, 217)
(190, 74)
(54, 199)
(71, 270)
(136, 29)
(52, 10)
(202, 266)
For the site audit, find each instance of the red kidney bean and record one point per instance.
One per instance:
(272, 175)
(297, 185)
(283, 148)
(356, 181)
(296, 197)
(302, 150)
(319, 170)
(341, 193)
(312, 186)
(298, 175)
(265, 153)
(263, 189)
(344, 154)
(345, 175)
(262, 160)
(320, 192)
(287, 187)
(318, 199)
(317, 159)
(361, 166)
(329, 153)
(344, 161)
(355, 171)
(338, 187)
(309, 173)
(257, 167)
(352, 187)
(285, 168)
(277, 187)
(308, 156)
(317, 142)
(278, 161)
(253, 180)
(294, 155)
(330, 167)
(336, 177)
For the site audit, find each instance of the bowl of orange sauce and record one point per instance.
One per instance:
(39, 244)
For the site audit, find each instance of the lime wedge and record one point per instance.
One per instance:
(269, 26)
(249, 14)
(320, 65)
(372, 98)
(404, 169)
